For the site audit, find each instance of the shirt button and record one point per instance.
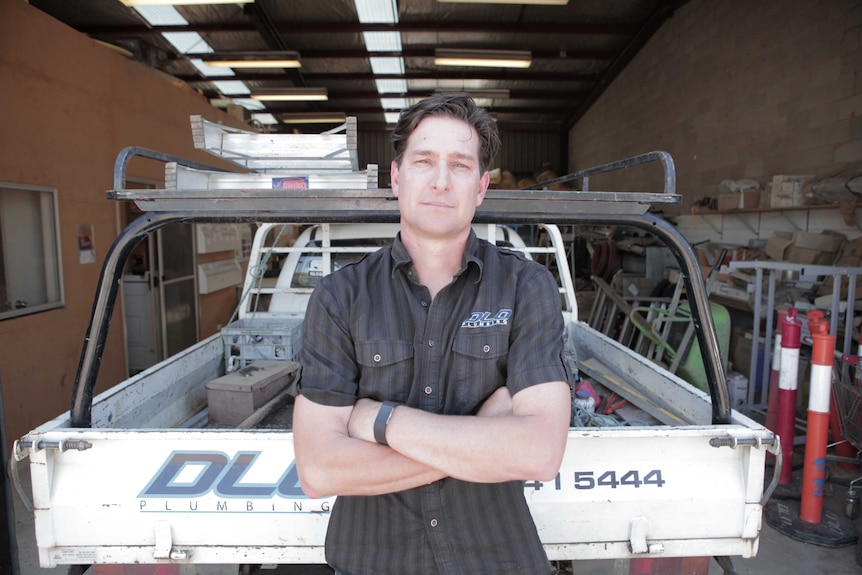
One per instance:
(377, 358)
(430, 343)
(424, 304)
(486, 349)
(433, 523)
(428, 390)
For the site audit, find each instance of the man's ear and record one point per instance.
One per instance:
(484, 182)
(393, 177)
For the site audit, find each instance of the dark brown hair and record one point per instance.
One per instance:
(460, 106)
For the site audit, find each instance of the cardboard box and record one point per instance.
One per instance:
(850, 256)
(777, 246)
(826, 241)
(750, 199)
(804, 247)
(799, 255)
(234, 397)
(789, 190)
(728, 201)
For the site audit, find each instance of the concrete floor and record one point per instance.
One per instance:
(778, 554)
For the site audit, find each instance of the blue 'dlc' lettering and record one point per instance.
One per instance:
(162, 485)
(222, 475)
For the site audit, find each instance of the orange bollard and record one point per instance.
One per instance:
(791, 330)
(817, 433)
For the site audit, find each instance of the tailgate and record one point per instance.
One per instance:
(225, 496)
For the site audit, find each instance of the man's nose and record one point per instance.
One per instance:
(442, 177)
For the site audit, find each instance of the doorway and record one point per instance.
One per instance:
(160, 296)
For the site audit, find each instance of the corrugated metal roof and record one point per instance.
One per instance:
(576, 49)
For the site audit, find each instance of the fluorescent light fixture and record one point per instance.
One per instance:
(483, 58)
(531, 2)
(313, 118)
(391, 117)
(291, 95)
(253, 60)
(181, 2)
(489, 93)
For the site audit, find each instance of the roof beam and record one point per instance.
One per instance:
(567, 96)
(520, 28)
(347, 54)
(477, 74)
(562, 111)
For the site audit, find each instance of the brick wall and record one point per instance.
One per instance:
(734, 89)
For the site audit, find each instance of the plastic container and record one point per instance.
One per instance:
(585, 385)
(585, 401)
(255, 339)
(737, 386)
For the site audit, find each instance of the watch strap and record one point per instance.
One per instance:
(382, 419)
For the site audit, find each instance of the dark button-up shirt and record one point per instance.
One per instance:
(372, 330)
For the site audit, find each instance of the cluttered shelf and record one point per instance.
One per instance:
(695, 211)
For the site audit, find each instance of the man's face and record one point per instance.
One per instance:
(439, 183)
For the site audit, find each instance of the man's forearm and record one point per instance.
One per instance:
(331, 463)
(527, 443)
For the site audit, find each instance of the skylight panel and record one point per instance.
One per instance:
(249, 103)
(161, 15)
(376, 11)
(382, 41)
(382, 66)
(266, 119)
(394, 103)
(232, 87)
(210, 71)
(398, 86)
(186, 42)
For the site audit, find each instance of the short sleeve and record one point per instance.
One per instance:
(537, 337)
(329, 368)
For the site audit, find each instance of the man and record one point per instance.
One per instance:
(433, 381)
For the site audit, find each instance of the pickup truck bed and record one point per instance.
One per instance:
(133, 475)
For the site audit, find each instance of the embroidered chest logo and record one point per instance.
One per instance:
(485, 319)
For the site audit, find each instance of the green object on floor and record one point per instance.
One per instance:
(692, 369)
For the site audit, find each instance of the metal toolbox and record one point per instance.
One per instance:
(234, 397)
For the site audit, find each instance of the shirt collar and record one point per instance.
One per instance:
(402, 259)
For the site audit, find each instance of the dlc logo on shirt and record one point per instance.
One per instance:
(485, 319)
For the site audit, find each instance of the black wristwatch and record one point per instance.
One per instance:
(383, 416)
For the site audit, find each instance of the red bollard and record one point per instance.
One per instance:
(817, 433)
(772, 398)
(791, 330)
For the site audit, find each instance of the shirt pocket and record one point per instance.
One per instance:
(480, 367)
(386, 369)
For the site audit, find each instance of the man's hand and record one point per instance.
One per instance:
(498, 403)
(361, 424)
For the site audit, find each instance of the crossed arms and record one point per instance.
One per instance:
(518, 437)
